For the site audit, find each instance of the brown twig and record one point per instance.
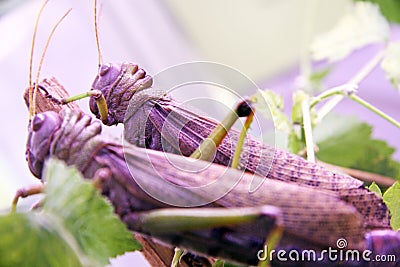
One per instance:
(361, 175)
(55, 89)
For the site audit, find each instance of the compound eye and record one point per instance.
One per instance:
(37, 122)
(104, 69)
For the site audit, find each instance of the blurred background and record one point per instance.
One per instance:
(263, 39)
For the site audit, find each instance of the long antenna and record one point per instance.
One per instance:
(42, 58)
(31, 59)
(99, 56)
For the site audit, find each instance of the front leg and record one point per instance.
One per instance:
(26, 192)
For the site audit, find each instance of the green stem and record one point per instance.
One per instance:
(308, 130)
(339, 90)
(375, 110)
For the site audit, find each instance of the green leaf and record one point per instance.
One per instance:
(389, 8)
(391, 64)
(270, 105)
(392, 200)
(375, 188)
(33, 239)
(363, 25)
(347, 142)
(218, 263)
(85, 213)
(316, 78)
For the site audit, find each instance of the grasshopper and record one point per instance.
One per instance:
(121, 84)
(234, 227)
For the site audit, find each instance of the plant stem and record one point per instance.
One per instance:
(308, 130)
(375, 110)
(360, 76)
(338, 90)
(382, 180)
